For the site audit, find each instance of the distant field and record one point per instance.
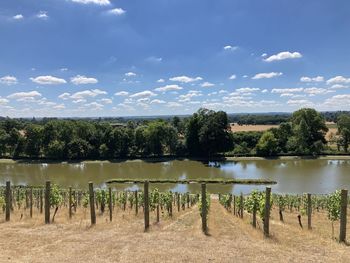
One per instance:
(239, 128)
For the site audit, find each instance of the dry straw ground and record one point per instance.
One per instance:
(178, 239)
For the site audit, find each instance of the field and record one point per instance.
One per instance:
(332, 128)
(174, 239)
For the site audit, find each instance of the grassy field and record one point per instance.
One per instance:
(177, 239)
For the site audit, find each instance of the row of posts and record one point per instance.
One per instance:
(343, 210)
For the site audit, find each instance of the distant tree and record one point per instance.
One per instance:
(267, 145)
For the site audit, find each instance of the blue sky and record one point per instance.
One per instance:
(121, 58)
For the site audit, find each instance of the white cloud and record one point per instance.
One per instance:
(18, 17)
(42, 15)
(130, 74)
(106, 101)
(247, 90)
(185, 79)
(156, 101)
(267, 75)
(116, 11)
(79, 79)
(291, 90)
(97, 2)
(232, 77)
(310, 79)
(48, 80)
(121, 93)
(160, 80)
(207, 84)
(88, 93)
(283, 55)
(338, 80)
(21, 95)
(230, 48)
(146, 93)
(8, 80)
(169, 88)
(64, 96)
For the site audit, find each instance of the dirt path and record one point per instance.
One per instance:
(180, 239)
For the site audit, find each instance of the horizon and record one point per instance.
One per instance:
(94, 58)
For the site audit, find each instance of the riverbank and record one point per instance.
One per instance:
(171, 158)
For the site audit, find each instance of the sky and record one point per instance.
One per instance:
(90, 58)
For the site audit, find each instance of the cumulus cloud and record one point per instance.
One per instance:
(230, 48)
(169, 88)
(87, 93)
(232, 77)
(291, 90)
(121, 93)
(97, 2)
(42, 15)
(338, 80)
(80, 79)
(267, 75)
(185, 79)
(130, 74)
(283, 55)
(21, 95)
(8, 80)
(116, 11)
(146, 93)
(18, 17)
(48, 80)
(247, 90)
(312, 79)
(207, 84)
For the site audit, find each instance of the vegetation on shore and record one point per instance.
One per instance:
(204, 134)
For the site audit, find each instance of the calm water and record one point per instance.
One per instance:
(292, 176)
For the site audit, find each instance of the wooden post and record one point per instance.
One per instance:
(204, 209)
(146, 205)
(41, 201)
(136, 203)
(309, 211)
(241, 206)
(343, 211)
(70, 202)
(92, 203)
(31, 202)
(267, 212)
(8, 200)
(47, 202)
(110, 205)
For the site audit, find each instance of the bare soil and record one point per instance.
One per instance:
(177, 239)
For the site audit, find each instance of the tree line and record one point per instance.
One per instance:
(206, 133)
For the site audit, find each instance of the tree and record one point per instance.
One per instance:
(343, 124)
(309, 129)
(267, 145)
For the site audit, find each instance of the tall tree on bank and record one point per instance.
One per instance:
(309, 130)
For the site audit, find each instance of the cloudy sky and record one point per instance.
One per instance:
(152, 57)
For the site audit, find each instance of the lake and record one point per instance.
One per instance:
(292, 176)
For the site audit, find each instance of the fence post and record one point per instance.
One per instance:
(110, 206)
(92, 203)
(204, 208)
(8, 200)
(31, 202)
(309, 211)
(47, 202)
(343, 211)
(146, 205)
(267, 212)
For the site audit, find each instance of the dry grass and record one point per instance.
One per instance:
(173, 240)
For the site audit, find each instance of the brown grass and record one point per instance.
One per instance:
(173, 240)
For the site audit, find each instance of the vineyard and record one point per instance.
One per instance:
(266, 212)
